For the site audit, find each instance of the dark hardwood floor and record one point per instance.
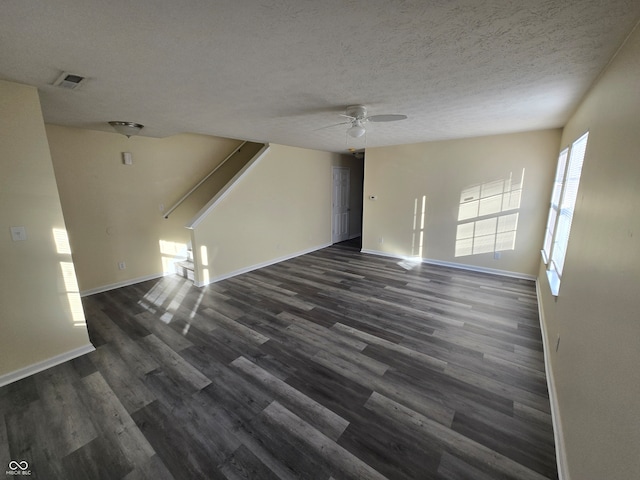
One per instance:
(335, 364)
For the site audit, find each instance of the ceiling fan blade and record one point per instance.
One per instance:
(386, 118)
(334, 125)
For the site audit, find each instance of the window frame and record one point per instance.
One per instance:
(562, 209)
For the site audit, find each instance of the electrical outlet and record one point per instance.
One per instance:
(122, 265)
(497, 255)
(380, 240)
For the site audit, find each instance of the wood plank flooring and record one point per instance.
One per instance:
(332, 365)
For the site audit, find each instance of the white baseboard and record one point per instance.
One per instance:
(261, 265)
(461, 266)
(125, 283)
(558, 435)
(21, 373)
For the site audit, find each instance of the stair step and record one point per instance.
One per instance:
(186, 269)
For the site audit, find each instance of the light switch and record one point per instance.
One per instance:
(18, 234)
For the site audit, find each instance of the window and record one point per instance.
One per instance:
(491, 229)
(563, 202)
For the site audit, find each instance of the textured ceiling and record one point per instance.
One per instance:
(279, 70)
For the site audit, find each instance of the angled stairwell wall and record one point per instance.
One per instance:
(279, 208)
(188, 206)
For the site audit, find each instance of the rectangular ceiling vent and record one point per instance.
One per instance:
(69, 81)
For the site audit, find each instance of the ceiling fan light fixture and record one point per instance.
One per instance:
(127, 128)
(357, 130)
(358, 118)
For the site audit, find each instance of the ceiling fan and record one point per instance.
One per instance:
(357, 115)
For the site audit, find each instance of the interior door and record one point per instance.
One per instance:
(340, 223)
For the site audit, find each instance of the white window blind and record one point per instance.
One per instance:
(555, 204)
(567, 204)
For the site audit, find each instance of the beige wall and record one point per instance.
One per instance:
(113, 210)
(401, 177)
(597, 366)
(41, 315)
(280, 208)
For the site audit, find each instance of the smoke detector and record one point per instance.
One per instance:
(70, 81)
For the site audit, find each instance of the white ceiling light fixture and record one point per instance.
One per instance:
(127, 128)
(357, 129)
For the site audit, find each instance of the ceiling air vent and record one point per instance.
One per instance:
(70, 81)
